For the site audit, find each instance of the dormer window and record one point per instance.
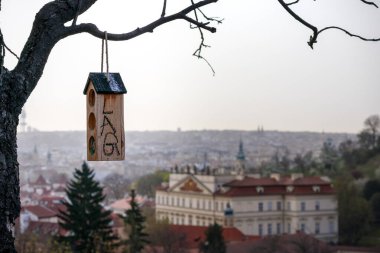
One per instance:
(290, 188)
(316, 188)
(260, 189)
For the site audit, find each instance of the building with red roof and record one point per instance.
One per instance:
(255, 205)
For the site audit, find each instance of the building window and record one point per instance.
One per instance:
(278, 206)
(190, 220)
(289, 228)
(331, 227)
(270, 206)
(191, 203)
(177, 201)
(317, 228)
(217, 206)
(269, 228)
(278, 228)
(288, 205)
(261, 207)
(167, 200)
(197, 203)
(303, 206)
(209, 205)
(183, 202)
(317, 205)
(183, 221)
(260, 229)
(303, 227)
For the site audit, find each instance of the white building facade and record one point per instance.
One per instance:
(256, 206)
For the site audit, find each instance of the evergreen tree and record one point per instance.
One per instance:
(134, 220)
(214, 240)
(88, 224)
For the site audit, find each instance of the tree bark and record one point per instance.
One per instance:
(9, 170)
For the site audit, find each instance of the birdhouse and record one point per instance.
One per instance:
(105, 117)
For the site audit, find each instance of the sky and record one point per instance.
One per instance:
(266, 75)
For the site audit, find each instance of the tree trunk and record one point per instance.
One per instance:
(9, 170)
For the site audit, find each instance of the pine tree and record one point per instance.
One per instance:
(214, 240)
(88, 224)
(134, 220)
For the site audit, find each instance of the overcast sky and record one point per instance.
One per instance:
(265, 72)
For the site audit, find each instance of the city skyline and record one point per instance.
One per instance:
(266, 75)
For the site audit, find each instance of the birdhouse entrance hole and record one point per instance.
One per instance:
(92, 145)
(91, 121)
(91, 97)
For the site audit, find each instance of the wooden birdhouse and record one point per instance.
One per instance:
(105, 117)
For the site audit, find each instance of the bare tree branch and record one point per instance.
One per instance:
(313, 38)
(370, 3)
(93, 30)
(316, 31)
(348, 33)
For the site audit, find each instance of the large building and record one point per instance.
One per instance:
(253, 204)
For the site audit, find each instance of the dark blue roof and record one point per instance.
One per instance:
(102, 86)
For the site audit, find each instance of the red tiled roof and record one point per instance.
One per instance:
(301, 186)
(250, 181)
(40, 211)
(310, 181)
(40, 181)
(196, 234)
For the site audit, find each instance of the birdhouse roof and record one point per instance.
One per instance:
(102, 86)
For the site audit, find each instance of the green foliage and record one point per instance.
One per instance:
(147, 184)
(89, 225)
(117, 184)
(330, 158)
(354, 213)
(304, 163)
(214, 240)
(134, 220)
(370, 188)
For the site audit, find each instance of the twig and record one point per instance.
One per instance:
(6, 47)
(288, 4)
(198, 52)
(215, 19)
(163, 10)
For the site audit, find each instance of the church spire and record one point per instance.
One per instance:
(240, 155)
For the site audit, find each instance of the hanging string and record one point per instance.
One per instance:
(102, 59)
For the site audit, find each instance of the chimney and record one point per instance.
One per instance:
(276, 176)
(295, 176)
